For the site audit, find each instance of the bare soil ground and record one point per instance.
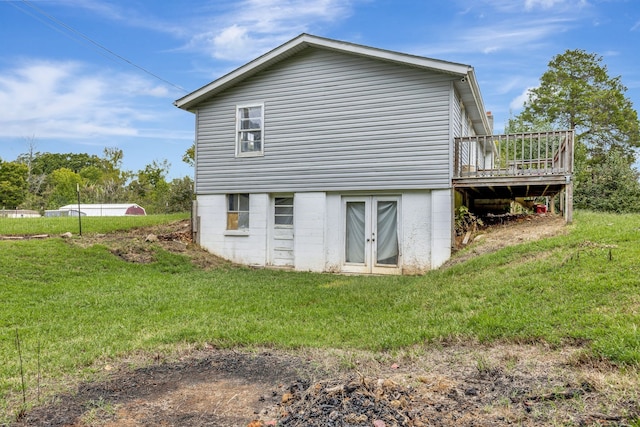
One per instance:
(441, 384)
(502, 231)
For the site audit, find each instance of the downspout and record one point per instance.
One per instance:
(195, 218)
(452, 160)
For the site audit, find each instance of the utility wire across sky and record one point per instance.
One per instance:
(73, 33)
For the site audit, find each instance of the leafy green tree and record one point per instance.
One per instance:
(113, 158)
(151, 188)
(63, 187)
(189, 156)
(180, 195)
(13, 184)
(106, 183)
(41, 167)
(154, 173)
(91, 174)
(112, 166)
(52, 179)
(46, 163)
(517, 124)
(576, 92)
(611, 185)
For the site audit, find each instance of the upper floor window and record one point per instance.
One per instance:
(249, 130)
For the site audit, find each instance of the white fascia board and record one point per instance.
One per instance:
(475, 90)
(238, 74)
(304, 41)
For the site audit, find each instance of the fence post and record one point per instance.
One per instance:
(79, 215)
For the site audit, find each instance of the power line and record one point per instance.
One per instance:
(55, 28)
(90, 40)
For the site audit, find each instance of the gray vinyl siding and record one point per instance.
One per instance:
(332, 122)
(458, 127)
(456, 124)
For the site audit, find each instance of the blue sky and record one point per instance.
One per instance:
(72, 79)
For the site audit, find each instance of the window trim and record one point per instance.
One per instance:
(239, 152)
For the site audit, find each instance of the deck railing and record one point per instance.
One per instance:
(522, 154)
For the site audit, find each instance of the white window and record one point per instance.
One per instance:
(249, 130)
(237, 212)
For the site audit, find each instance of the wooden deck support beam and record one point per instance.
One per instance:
(568, 203)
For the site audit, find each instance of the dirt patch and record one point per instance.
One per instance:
(139, 244)
(454, 385)
(462, 386)
(206, 388)
(501, 232)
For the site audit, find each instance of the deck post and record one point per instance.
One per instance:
(453, 218)
(568, 202)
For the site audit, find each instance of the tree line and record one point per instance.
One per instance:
(41, 181)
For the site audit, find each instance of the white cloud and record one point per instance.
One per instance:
(611, 53)
(505, 27)
(517, 103)
(544, 4)
(232, 43)
(491, 7)
(508, 35)
(133, 85)
(254, 26)
(68, 100)
(126, 13)
(514, 34)
(509, 82)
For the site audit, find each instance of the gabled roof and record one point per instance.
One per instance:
(467, 85)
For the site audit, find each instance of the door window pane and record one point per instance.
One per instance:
(355, 229)
(387, 227)
(283, 211)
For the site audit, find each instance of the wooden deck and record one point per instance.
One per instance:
(516, 165)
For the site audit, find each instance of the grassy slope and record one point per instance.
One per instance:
(79, 305)
(91, 224)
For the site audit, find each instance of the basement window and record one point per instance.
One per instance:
(238, 212)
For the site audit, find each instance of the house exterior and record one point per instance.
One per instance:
(329, 156)
(99, 209)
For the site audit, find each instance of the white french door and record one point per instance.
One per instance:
(371, 234)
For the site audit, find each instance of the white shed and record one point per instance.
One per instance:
(106, 209)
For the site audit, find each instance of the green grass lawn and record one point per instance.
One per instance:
(80, 305)
(90, 224)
